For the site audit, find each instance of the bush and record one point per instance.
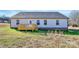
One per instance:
(74, 25)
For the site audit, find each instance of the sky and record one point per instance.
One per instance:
(10, 13)
(11, 7)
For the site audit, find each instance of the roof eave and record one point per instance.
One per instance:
(38, 18)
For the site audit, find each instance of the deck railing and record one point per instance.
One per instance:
(27, 27)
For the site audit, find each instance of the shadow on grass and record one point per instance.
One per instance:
(44, 32)
(35, 32)
(71, 32)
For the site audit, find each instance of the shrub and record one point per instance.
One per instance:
(74, 25)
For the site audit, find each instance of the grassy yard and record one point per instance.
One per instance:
(12, 38)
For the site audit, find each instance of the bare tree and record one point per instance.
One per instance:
(74, 16)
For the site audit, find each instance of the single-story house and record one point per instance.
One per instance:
(43, 20)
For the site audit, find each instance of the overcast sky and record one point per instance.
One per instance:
(10, 13)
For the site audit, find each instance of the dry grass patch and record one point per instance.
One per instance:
(11, 38)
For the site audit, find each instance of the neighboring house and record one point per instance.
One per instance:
(44, 20)
(4, 19)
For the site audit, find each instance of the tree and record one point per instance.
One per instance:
(74, 16)
(3, 18)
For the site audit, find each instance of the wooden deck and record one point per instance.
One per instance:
(27, 27)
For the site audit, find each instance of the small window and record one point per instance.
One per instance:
(30, 22)
(17, 22)
(38, 22)
(45, 22)
(57, 22)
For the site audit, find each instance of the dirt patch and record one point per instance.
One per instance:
(4, 24)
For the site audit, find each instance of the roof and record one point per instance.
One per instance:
(39, 15)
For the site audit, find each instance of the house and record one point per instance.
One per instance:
(43, 20)
(4, 19)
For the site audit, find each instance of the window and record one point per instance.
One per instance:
(38, 22)
(17, 22)
(57, 22)
(45, 22)
(30, 22)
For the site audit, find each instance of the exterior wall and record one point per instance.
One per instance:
(51, 23)
(22, 21)
(13, 23)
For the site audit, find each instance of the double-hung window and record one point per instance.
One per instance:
(38, 22)
(57, 22)
(45, 22)
(17, 22)
(30, 22)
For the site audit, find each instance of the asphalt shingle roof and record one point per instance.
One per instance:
(40, 15)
